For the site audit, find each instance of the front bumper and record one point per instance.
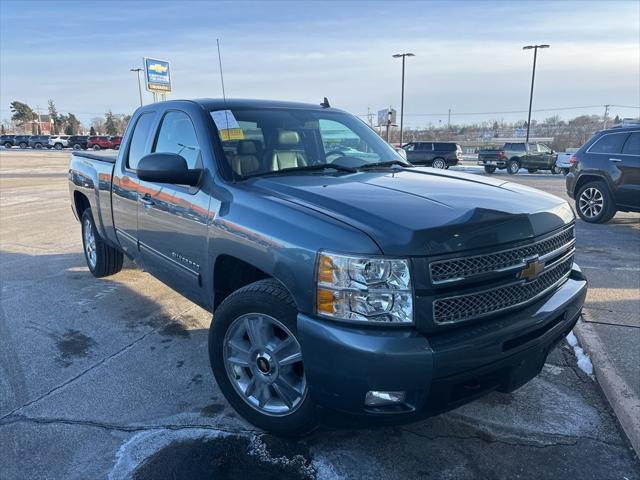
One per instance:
(440, 371)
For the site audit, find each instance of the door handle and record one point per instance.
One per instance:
(146, 201)
(615, 160)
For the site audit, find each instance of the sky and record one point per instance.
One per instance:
(469, 56)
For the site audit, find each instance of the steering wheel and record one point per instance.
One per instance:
(337, 152)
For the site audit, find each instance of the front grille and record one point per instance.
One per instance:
(445, 271)
(475, 305)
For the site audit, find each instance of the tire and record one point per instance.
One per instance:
(77, 146)
(565, 171)
(258, 304)
(595, 203)
(532, 170)
(38, 146)
(513, 166)
(107, 260)
(555, 170)
(96, 147)
(23, 145)
(58, 146)
(116, 147)
(439, 163)
(8, 145)
(489, 169)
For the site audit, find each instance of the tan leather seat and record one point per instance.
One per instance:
(288, 153)
(246, 161)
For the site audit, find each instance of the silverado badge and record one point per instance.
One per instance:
(533, 268)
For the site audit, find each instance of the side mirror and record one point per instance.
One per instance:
(167, 168)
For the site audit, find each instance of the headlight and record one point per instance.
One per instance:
(364, 289)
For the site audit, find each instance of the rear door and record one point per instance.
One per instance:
(172, 223)
(629, 165)
(124, 190)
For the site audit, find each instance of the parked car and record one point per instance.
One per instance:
(340, 282)
(605, 174)
(21, 141)
(433, 154)
(516, 155)
(7, 140)
(102, 142)
(59, 142)
(78, 142)
(562, 162)
(39, 142)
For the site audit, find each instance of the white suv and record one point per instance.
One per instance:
(59, 142)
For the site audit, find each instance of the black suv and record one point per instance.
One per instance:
(605, 174)
(39, 141)
(433, 154)
(7, 140)
(78, 142)
(21, 141)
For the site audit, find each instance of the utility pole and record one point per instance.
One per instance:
(449, 120)
(138, 70)
(370, 117)
(39, 123)
(533, 77)
(389, 123)
(403, 56)
(604, 117)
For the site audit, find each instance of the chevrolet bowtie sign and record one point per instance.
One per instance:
(533, 268)
(156, 75)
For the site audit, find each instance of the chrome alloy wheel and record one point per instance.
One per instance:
(263, 361)
(89, 243)
(591, 202)
(439, 164)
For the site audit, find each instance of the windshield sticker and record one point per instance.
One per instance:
(227, 125)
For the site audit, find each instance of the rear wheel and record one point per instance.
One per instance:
(555, 169)
(439, 163)
(102, 259)
(38, 146)
(8, 145)
(257, 359)
(58, 146)
(513, 166)
(489, 169)
(96, 147)
(595, 203)
(565, 171)
(77, 146)
(23, 145)
(116, 147)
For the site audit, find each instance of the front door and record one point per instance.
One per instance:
(172, 222)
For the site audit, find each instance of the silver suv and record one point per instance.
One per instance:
(59, 142)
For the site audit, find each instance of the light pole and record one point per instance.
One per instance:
(138, 70)
(403, 55)
(533, 77)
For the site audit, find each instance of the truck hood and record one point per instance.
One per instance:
(421, 211)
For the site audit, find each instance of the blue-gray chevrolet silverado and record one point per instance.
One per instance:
(345, 283)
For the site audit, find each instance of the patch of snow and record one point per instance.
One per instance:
(584, 363)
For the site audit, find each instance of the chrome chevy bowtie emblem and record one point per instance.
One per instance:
(533, 268)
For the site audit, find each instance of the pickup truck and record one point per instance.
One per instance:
(344, 282)
(517, 155)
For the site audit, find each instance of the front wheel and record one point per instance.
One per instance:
(489, 169)
(257, 360)
(58, 146)
(102, 259)
(565, 171)
(595, 203)
(77, 146)
(23, 145)
(555, 169)
(8, 145)
(96, 147)
(439, 163)
(38, 146)
(513, 167)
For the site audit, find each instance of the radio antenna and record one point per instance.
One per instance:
(224, 97)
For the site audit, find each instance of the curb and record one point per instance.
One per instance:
(620, 396)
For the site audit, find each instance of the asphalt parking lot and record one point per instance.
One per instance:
(110, 378)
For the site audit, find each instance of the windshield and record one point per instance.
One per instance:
(270, 141)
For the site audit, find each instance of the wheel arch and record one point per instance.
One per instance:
(80, 203)
(590, 177)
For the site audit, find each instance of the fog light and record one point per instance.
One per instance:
(375, 398)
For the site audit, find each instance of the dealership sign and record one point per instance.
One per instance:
(156, 75)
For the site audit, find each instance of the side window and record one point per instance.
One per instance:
(610, 144)
(543, 148)
(138, 140)
(177, 135)
(632, 145)
(410, 147)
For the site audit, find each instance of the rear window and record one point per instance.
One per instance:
(632, 145)
(444, 147)
(609, 143)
